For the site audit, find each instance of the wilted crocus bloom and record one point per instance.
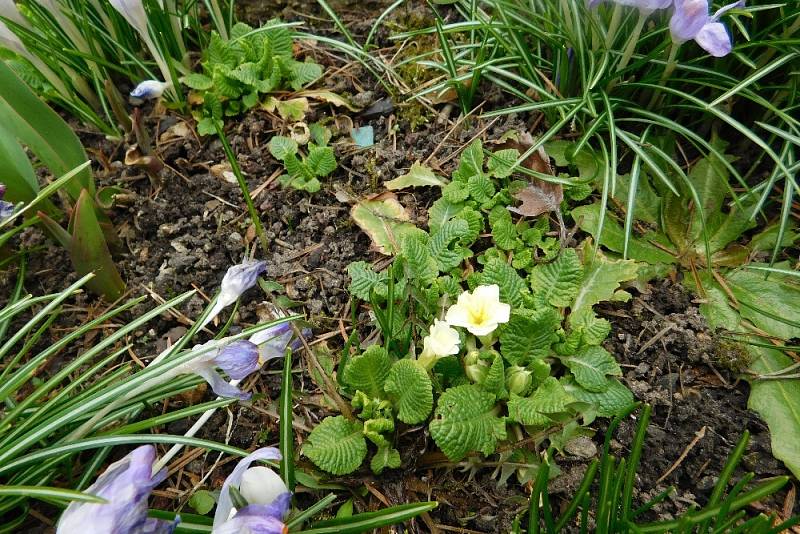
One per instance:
(480, 312)
(267, 495)
(126, 486)
(149, 90)
(238, 279)
(691, 20)
(6, 208)
(645, 6)
(238, 359)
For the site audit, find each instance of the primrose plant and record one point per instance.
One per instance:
(303, 173)
(504, 344)
(240, 71)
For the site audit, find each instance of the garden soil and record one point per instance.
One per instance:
(182, 233)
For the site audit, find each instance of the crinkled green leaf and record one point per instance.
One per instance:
(336, 445)
(197, 81)
(471, 162)
(442, 211)
(321, 160)
(386, 222)
(592, 330)
(280, 147)
(465, 421)
(512, 287)
(609, 403)
(440, 244)
(557, 283)
(529, 337)
(363, 280)
(410, 388)
(474, 221)
(504, 233)
(455, 192)
(602, 278)
(590, 365)
(495, 381)
(501, 162)
(386, 457)
(549, 398)
(303, 73)
(480, 188)
(367, 372)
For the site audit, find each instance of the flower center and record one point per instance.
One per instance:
(478, 315)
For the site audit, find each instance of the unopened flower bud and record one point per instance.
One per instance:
(518, 380)
(475, 367)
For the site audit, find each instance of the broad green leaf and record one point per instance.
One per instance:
(778, 403)
(549, 398)
(609, 403)
(410, 388)
(471, 162)
(455, 192)
(512, 287)
(386, 457)
(563, 153)
(647, 206)
(17, 174)
(592, 330)
(303, 73)
(778, 296)
(465, 421)
(442, 211)
(474, 221)
(43, 131)
(504, 232)
(495, 381)
(557, 282)
(639, 248)
(386, 222)
(480, 188)
(421, 265)
(89, 251)
(602, 278)
(363, 280)
(417, 176)
(368, 371)
(446, 258)
(336, 445)
(526, 338)
(280, 147)
(590, 365)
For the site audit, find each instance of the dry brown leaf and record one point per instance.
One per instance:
(540, 196)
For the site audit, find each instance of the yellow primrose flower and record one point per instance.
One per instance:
(441, 341)
(480, 312)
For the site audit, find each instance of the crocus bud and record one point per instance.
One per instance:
(261, 485)
(518, 380)
(6, 208)
(238, 279)
(149, 89)
(475, 368)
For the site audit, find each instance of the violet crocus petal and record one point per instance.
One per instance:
(238, 279)
(6, 209)
(275, 347)
(277, 508)
(267, 334)
(126, 486)
(149, 89)
(688, 19)
(218, 384)
(225, 504)
(714, 39)
(251, 520)
(238, 359)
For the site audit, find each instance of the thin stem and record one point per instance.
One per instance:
(613, 26)
(669, 68)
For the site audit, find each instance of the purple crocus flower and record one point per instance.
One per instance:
(691, 20)
(238, 279)
(126, 486)
(6, 208)
(267, 495)
(238, 359)
(646, 6)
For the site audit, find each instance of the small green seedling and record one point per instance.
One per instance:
(303, 172)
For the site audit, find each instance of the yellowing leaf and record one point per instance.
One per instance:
(329, 97)
(384, 220)
(293, 109)
(418, 175)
